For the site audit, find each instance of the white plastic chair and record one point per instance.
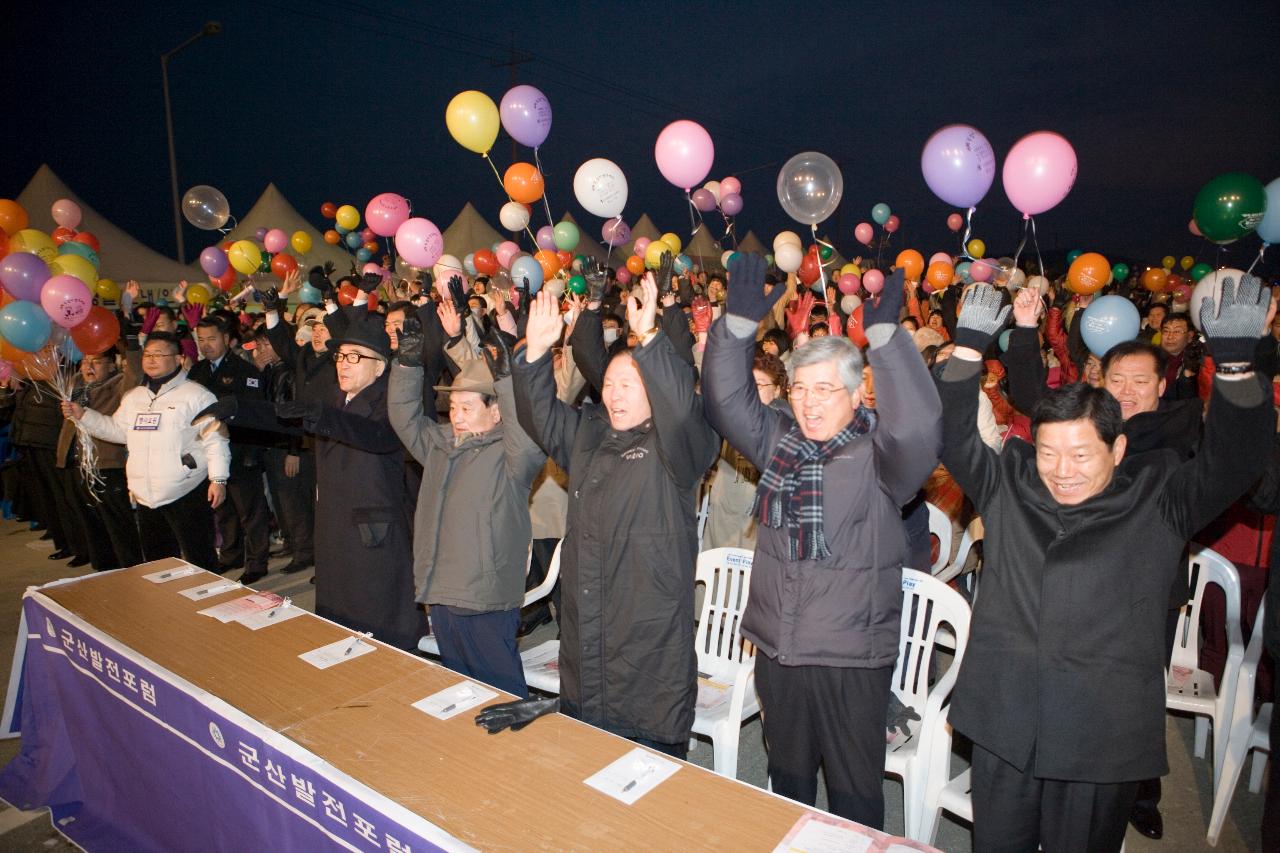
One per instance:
(921, 758)
(431, 646)
(726, 664)
(1248, 732)
(1190, 689)
(704, 510)
(945, 568)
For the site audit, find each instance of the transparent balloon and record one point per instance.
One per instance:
(809, 187)
(206, 208)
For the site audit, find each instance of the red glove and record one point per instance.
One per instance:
(798, 315)
(701, 315)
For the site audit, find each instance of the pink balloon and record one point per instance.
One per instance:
(849, 283)
(624, 275)
(955, 222)
(873, 281)
(66, 299)
(375, 269)
(642, 243)
(385, 213)
(940, 256)
(730, 203)
(891, 224)
(66, 213)
(506, 251)
(615, 232)
(863, 233)
(927, 287)
(546, 238)
(275, 240)
(419, 242)
(980, 270)
(730, 186)
(1194, 228)
(368, 234)
(684, 153)
(1039, 172)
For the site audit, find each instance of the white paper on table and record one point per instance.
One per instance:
(348, 648)
(454, 700)
(273, 616)
(172, 574)
(815, 833)
(543, 658)
(210, 589)
(241, 607)
(633, 775)
(711, 694)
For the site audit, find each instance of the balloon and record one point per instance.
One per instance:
(206, 208)
(1107, 321)
(653, 254)
(282, 265)
(375, 269)
(1182, 294)
(1186, 262)
(308, 295)
(727, 256)
(683, 264)
(849, 303)
(955, 222)
(527, 266)
(107, 289)
(13, 217)
(939, 256)
(468, 264)
(566, 236)
(854, 327)
(385, 212)
(1269, 226)
(976, 248)
(505, 252)
(1155, 279)
(673, 241)
(713, 187)
(623, 274)
(352, 239)
(62, 235)
(74, 265)
(600, 187)
(348, 217)
(1073, 254)
(703, 200)
(615, 232)
(825, 252)
(332, 237)
(549, 261)
(1089, 273)
(729, 186)
(328, 210)
(225, 281)
(260, 234)
(347, 293)
(198, 294)
(1200, 270)
(911, 262)
(34, 242)
(363, 254)
(1119, 271)
(640, 246)
(565, 258)
(1039, 171)
(873, 281)
(66, 213)
(1168, 261)
(577, 284)
(1230, 206)
(880, 213)
(940, 274)
(981, 270)
(472, 119)
(786, 237)
(1193, 228)
(98, 332)
(71, 247)
(523, 182)
(809, 187)
(849, 284)
(731, 204)
(864, 233)
(514, 216)
(891, 224)
(213, 261)
(24, 325)
(370, 246)
(526, 115)
(1210, 285)
(486, 262)
(546, 237)
(684, 153)
(301, 242)
(264, 261)
(23, 274)
(788, 257)
(419, 242)
(958, 165)
(275, 240)
(446, 267)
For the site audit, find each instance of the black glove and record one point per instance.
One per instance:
(684, 287)
(224, 410)
(597, 278)
(292, 410)
(1061, 297)
(369, 282)
(665, 264)
(499, 364)
(515, 715)
(412, 341)
(899, 717)
(1233, 327)
(318, 277)
(887, 307)
(270, 298)
(746, 297)
(981, 317)
(458, 295)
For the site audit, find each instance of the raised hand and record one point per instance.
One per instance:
(1233, 324)
(642, 305)
(544, 326)
(982, 315)
(746, 297)
(450, 319)
(797, 314)
(1027, 307)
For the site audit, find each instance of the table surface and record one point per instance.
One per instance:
(521, 790)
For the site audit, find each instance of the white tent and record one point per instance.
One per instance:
(469, 232)
(751, 244)
(704, 250)
(273, 210)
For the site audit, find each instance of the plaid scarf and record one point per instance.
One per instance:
(791, 487)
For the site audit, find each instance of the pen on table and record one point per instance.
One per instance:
(166, 576)
(279, 607)
(464, 693)
(355, 641)
(648, 768)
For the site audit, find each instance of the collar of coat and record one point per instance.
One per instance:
(1118, 498)
(442, 439)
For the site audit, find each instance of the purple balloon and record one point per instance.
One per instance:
(526, 115)
(703, 200)
(615, 232)
(260, 234)
(23, 274)
(958, 165)
(214, 261)
(547, 238)
(731, 204)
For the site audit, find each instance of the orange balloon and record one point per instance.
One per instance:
(332, 237)
(549, 262)
(940, 274)
(523, 182)
(635, 265)
(4, 244)
(1089, 273)
(911, 262)
(371, 245)
(1155, 279)
(13, 217)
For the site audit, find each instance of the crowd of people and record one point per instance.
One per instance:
(428, 453)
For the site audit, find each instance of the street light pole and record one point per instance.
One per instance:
(211, 28)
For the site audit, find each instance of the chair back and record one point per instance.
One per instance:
(725, 574)
(926, 604)
(543, 589)
(939, 527)
(1206, 566)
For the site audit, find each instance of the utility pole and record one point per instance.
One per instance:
(211, 28)
(514, 58)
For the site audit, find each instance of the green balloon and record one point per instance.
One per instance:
(1200, 270)
(265, 266)
(826, 252)
(768, 259)
(566, 236)
(1073, 254)
(578, 285)
(1230, 206)
(1119, 272)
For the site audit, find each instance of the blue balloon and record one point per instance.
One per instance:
(308, 295)
(881, 213)
(682, 264)
(25, 325)
(1269, 227)
(962, 270)
(1003, 340)
(493, 247)
(363, 255)
(71, 247)
(70, 351)
(527, 266)
(343, 231)
(353, 240)
(469, 263)
(1109, 320)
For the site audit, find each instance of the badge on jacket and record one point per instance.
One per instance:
(148, 421)
(251, 382)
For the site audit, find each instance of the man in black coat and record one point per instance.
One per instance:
(1062, 687)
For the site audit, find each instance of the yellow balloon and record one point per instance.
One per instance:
(1168, 261)
(76, 266)
(348, 217)
(199, 294)
(1187, 262)
(976, 248)
(107, 289)
(849, 269)
(673, 241)
(301, 242)
(653, 254)
(34, 242)
(245, 256)
(472, 119)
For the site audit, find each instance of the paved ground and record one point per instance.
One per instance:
(1187, 798)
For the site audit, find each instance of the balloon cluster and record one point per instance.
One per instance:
(265, 253)
(724, 194)
(647, 254)
(383, 215)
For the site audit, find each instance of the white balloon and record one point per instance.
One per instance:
(788, 257)
(448, 266)
(514, 216)
(601, 187)
(1040, 283)
(724, 259)
(785, 237)
(1017, 278)
(713, 187)
(1211, 285)
(850, 303)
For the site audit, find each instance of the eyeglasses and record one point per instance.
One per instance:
(352, 357)
(156, 356)
(818, 393)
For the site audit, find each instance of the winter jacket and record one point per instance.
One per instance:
(236, 377)
(102, 397)
(37, 419)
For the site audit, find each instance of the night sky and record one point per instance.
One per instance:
(339, 101)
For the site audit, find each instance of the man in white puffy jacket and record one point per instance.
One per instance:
(170, 459)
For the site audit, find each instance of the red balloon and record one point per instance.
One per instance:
(282, 265)
(347, 293)
(98, 332)
(810, 268)
(485, 261)
(373, 301)
(225, 281)
(62, 234)
(955, 221)
(857, 333)
(565, 257)
(89, 240)
(368, 235)
(226, 245)
(892, 223)
(328, 210)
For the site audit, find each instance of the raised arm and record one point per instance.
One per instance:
(588, 348)
(1027, 380)
(548, 421)
(524, 459)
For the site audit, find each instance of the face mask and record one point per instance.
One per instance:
(610, 335)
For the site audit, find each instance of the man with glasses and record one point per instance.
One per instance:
(177, 471)
(826, 585)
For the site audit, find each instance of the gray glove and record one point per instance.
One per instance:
(1233, 328)
(597, 277)
(981, 317)
(515, 715)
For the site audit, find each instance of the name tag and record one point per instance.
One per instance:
(147, 421)
(251, 382)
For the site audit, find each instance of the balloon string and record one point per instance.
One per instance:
(694, 226)
(968, 229)
(527, 229)
(1035, 240)
(822, 273)
(546, 203)
(1026, 224)
(1261, 251)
